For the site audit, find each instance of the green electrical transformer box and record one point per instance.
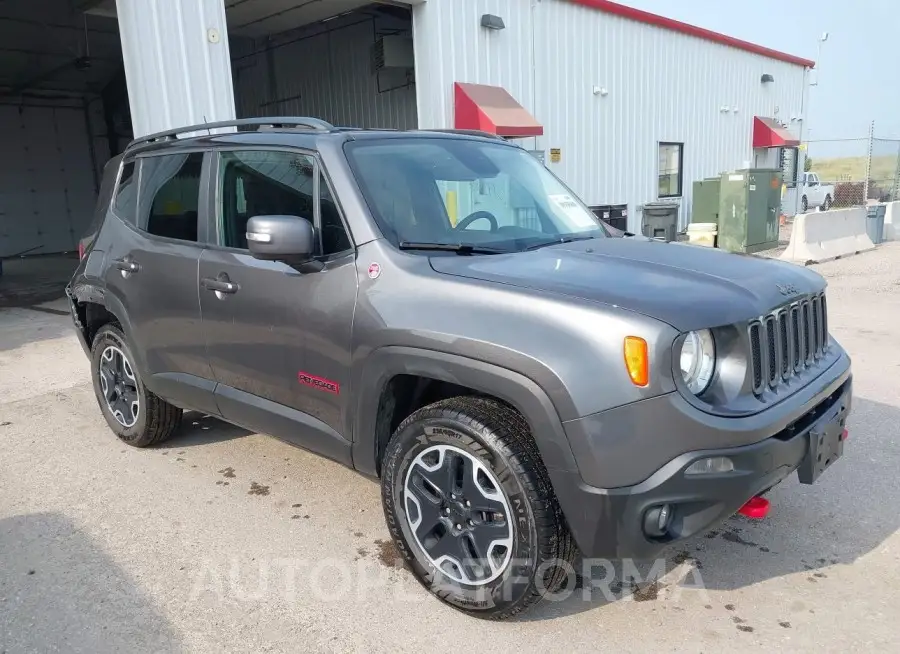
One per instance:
(749, 204)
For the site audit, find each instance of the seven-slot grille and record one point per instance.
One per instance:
(787, 340)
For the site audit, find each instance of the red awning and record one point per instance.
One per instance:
(767, 133)
(492, 109)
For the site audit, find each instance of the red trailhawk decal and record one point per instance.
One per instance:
(319, 382)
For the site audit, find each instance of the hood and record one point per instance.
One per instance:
(689, 287)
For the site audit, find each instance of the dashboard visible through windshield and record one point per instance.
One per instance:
(466, 195)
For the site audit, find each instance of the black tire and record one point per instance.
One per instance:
(156, 419)
(498, 437)
(804, 204)
(827, 205)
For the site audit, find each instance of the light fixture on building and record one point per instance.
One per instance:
(492, 22)
(600, 90)
(766, 78)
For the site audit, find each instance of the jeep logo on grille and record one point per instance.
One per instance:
(787, 289)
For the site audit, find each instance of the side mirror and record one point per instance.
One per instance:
(290, 239)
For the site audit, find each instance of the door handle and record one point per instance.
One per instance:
(126, 265)
(219, 285)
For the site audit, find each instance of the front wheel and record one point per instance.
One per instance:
(469, 505)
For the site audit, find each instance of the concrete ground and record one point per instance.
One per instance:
(229, 541)
(30, 280)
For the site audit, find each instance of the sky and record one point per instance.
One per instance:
(859, 67)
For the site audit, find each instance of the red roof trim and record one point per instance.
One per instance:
(691, 30)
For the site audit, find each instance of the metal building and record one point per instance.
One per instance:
(625, 106)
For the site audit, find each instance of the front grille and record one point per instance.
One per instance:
(772, 350)
(756, 355)
(787, 359)
(807, 331)
(787, 341)
(796, 338)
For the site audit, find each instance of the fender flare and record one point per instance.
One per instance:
(511, 387)
(99, 295)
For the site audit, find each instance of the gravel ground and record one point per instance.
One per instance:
(229, 541)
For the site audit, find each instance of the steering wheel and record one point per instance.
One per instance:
(477, 215)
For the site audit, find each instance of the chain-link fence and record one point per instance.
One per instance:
(849, 172)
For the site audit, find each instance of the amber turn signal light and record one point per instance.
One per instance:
(636, 361)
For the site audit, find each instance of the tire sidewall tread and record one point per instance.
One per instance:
(500, 437)
(157, 419)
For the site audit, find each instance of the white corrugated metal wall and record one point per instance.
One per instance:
(176, 56)
(325, 71)
(660, 86)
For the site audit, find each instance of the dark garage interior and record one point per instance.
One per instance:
(64, 107)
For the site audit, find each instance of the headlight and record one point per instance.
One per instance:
(698, 360)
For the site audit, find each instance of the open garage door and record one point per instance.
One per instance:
(60, 68)
(47, 178)
(349, 62)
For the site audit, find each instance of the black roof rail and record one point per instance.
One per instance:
(278, 122)
(469, 132)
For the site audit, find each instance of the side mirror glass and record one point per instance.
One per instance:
(290, 239)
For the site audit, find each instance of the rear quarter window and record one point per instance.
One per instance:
(125, 202)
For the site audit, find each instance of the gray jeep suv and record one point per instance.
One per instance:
(437, 310)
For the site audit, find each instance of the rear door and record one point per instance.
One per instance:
(151, 272)
(279, 344)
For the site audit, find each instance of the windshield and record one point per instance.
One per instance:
(442, 191)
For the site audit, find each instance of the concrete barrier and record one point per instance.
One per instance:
(892, 221)
(826, 235)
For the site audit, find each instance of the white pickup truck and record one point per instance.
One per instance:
(814, 193)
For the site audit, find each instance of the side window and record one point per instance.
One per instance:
(265, 183)
(334, 236)
(170, 192)
(671, 160)
(125, 204)
(262, 183)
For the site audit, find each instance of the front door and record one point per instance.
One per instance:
(152, 271)
(278, 340)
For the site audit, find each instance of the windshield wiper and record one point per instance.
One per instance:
(562, 239)
(459, 248)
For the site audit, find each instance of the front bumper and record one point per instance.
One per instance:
(609, 522)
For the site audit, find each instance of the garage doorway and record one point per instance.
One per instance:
(349, 62)
(61, 87)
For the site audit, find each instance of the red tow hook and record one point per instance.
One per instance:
(845, 435)
(756, 508)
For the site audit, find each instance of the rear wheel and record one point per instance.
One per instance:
(804, 204)
(470, 507)
(137, 416)
(827, 204)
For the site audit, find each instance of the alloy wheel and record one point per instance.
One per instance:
(119, 386)
(458, 514)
